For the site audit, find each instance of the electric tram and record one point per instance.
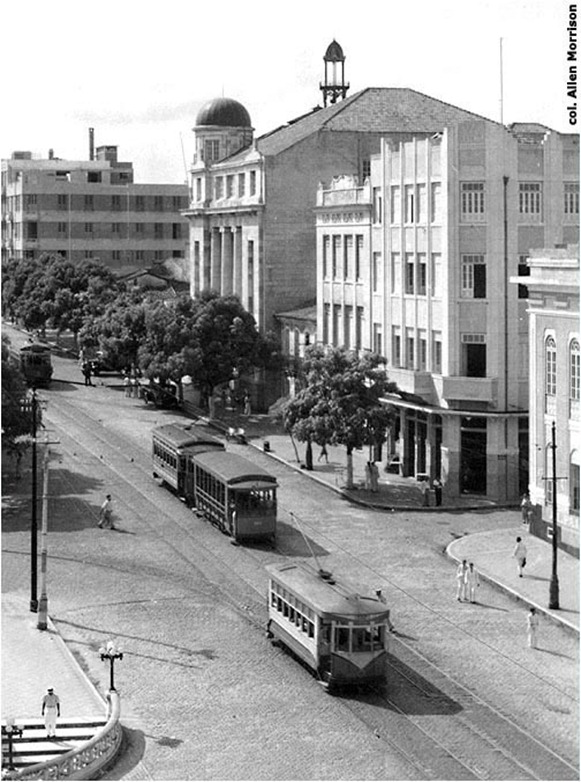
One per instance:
(233, 493)
(340, 634)
(36, 364)
(172, 446)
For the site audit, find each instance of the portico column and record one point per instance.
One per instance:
(431, 467)
(237, 288)
(227, 255)
(216, 259)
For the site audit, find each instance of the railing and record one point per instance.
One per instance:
(84, 762)
(357, 195)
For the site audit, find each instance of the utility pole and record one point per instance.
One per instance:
(33, 524)
(43, 603)
(554, 585)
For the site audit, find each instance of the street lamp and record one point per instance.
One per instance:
(34, 522)
(554, 584)
(111, 653)
(11, 731)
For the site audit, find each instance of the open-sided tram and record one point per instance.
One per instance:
(36, 364)
(340, 634)
(172, 446)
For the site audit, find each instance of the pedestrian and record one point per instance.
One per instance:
(135, 387)
(461, 581)
(381, 597)
(127, 384)
(526, 508)
(438, 491)
(324, 455)
(106, 514)
(368, 476)
(532, 627)
(520, 554)
(425, 490)
(51, 709)
(472, 580)
(246, 400)
(86, 369)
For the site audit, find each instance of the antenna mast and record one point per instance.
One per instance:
(501, 88)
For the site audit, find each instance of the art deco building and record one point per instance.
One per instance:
(90, 209)
(414, 264)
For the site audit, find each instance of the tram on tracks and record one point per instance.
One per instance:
(234, 494)
(36, 364)
(340, 634)
(172, 446)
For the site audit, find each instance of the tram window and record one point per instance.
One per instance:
(305, 624)
(361, 639)
(278, 604)
(272, 599)
(291, 614)
(326, 633)
(342, 639)
(285, 608)
(298, 619)
(311, 629)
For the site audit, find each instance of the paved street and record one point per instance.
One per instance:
(200, 683)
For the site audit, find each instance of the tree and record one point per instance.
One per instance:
(16, 416)
(339, 403)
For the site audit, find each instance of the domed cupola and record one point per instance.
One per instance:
(334, 86)
(223, 127)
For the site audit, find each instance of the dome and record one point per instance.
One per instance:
(225, 112)
(334, 52)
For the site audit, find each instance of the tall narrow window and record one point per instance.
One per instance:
(550, 367)
(347, 256)
(253, 183)
(336, 324)
(474, 355)
(396, 346)
(421, 274)
(250, 278)
(574, 378)
(574, 483)
(436, 206)
(409, 204)
(395, 211)
(524, 270)
(472, 200)
(529, 198)
(436, 351)
(326, 248)
(376, 271)
(422, 350)
(377, 339)
(571, 192)
(347, 326)
(359, 313)
(410, 348)
(336, 255)
(473, 277)
(377, 205)
(422, 204)
(241, 185)
(229, 186)
(395, 272)
(409, 273)
(326, 319)
(358, 255)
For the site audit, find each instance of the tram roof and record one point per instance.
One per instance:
(179, 436)
(36, 347)
(334, 597)
(235, 470)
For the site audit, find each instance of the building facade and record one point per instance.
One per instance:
(415, 264)
(555, 371)
(90, 209)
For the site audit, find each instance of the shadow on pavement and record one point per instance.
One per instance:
(130, 754)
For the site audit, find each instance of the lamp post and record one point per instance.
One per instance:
(43, 602)
(34, 522)
(554, 584)
(111, 653)
(11, 731)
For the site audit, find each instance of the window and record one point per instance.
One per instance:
(395, 272)
(250, 257)
(359, 314)
(377, 205)
(93, 176)
(347, 256)
(198, 188)
(574, 484)
(347, 326)
(529, 198)
(218, 187)
(336, 252)
(336, 324)
(550, 367)
(326, 249)
(88, 228)
(158, 230)
(574, 371)
(62, 228)
(211, 150)
(88, 254)
(409, 273)
(410, 345)
(253, 183)
(89, 203)
(229, 186)
(395, 212)
(436, 351)
(178, 203)
(436, 274)
(376, 271)
(422, 350)
(473, 277)
(158, 203)
(139, 255)
(116, 255)
(421, 274)
(139, 228)
(139, 203)
(358, 255)
(395, 346)
(116, 203)
(436, 206)
(326, 320)
(472, 199)
(62, 202)
(377, 339)
(474, 355)
(571, 191)
(523, 271)
(365, 169)
(176, 231)
(116, 228)
(30, 200)
(241, 185)
(422, 204)
(409, 203)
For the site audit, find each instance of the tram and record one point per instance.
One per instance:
(340, 634)
(36, 364)
(233, 493)
(172, 446)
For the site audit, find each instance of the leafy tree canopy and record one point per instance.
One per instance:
(16, 419)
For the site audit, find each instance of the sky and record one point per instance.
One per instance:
(139, 71)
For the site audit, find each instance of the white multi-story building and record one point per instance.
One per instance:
(555, 392)
(83, 209)
(415, 265)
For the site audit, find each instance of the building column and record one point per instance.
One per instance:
(237, 288)
(206, 271)
(227, 261)
(431, 463)
(216, 259)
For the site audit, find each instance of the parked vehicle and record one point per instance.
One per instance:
(36, 364)
(160, 396)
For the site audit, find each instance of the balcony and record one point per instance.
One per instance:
(473, 389)
(412, 381)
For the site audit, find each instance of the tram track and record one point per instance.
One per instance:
(376, 712)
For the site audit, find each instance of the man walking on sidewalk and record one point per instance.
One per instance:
(532, 627)
(472, 581)
(51, 709)
(461, 581)
(520, 554)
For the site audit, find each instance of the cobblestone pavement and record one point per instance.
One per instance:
(195, 711)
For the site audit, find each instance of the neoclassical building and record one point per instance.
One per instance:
(414, 263)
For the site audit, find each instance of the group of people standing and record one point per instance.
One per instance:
(467, 580)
